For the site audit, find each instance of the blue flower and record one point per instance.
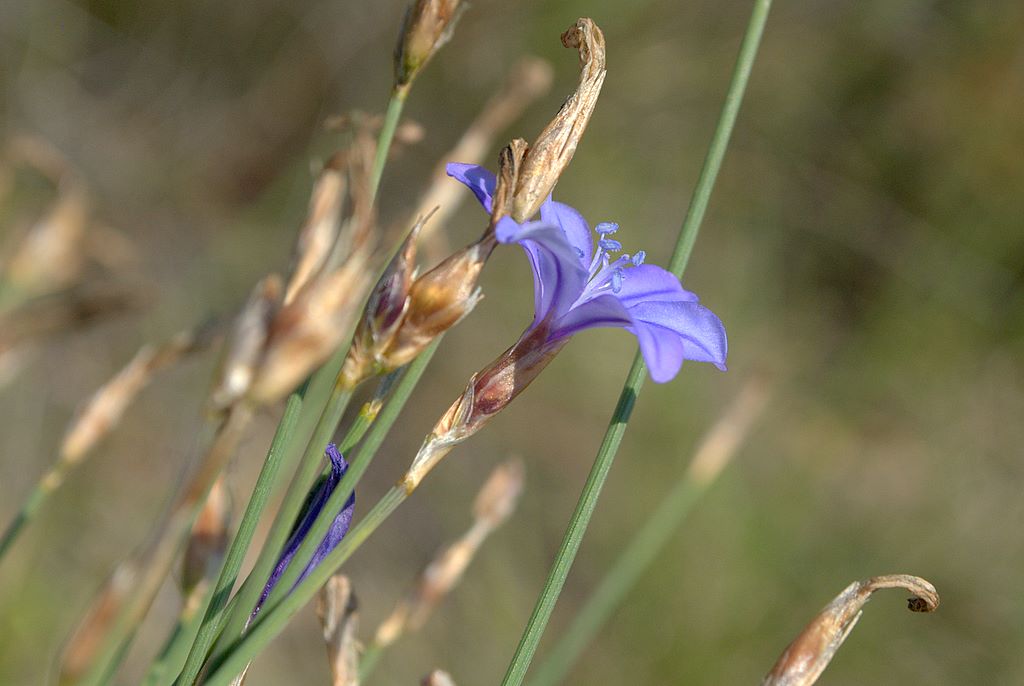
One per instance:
(314, 505)
(576, 287)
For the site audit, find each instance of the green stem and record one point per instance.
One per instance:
(212, 619)
(387, 133)
(308, 469)
(613, 436)
(46, 486)
(280, 607)
(267, 626)
(175, 650)
(368, 661)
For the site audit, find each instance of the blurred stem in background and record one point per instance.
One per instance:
(713, 454)
(613, 436)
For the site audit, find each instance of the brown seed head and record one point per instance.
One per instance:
(339, 617)
(320, 230)
(85, 642)
(428, 25)
(550, 154)
(438, 678)
(499, 495)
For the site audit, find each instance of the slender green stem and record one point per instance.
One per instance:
(175, 650)
(387, 133)
(47, 485)
(613, 436)
(308, 469)
(369, 660)
(212, 620)
(267, 626)
(714, 453)
(280, 607)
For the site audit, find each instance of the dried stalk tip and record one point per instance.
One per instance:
(428, 25)
(810, 653)
(209, 539)
(337, 610)
(309, 329)
(320, 230)
(82, 647)
(245, 349)
(551, 153)
(438, 678)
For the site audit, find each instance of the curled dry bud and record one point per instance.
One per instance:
(245, 349)
(209, 539)
(337, 610)
(551, 152)
(306, 331)
(428, 25)
(810, 653)
(320, 230)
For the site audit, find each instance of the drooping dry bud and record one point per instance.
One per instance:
(320, 230)
(209, 539)
(809, 654)
(308, 330)
(510, 162)
(438, 300)
(52, 255)
(428, 25)
(384, 313)
(248, 339)
(337, 610)
(82, 647)
(550, 154)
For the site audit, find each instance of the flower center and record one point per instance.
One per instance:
(605, 272)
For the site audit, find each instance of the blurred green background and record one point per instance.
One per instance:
(864, 247)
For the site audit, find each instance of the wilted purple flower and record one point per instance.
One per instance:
(576, 288)
(314, 504)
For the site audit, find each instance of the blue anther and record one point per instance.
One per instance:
(605, 228)
(639, 258)
(579, 252)
(616, 281)
(610, 244)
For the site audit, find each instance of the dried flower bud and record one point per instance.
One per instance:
(245, 349)
(551, 152)
(809, 654)
(510, 162)
(384, 312)
(438, 678)
(337, 609)
(320, 230)
(209, 538)
(309, 329)
(428, 25)
(438, 300)
(82, 647)
(488, 392)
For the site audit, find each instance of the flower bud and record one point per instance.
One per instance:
(550, 154)
(438, 300)
(209, 539)
(339, 617)
(85, 643)
(320, 230)
(428, 25)
(384, 312)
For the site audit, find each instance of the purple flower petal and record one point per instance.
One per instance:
(558, 277)
(315, 504)
(577, 232)
(663, 350)
(477, 179)
(604, 310)
(702, 332)
(649, 282)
